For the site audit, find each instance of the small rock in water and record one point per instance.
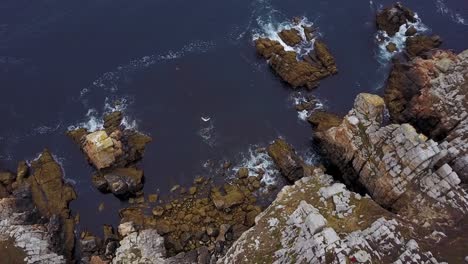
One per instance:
(391, 47)
(152, 198)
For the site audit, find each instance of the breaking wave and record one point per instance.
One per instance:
(257, 161)
(300, 98)
(94, 118)
(399, 39)
(268, 28)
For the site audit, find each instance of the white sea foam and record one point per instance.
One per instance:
(399, 39)
(299, 98)
(110, 81)
(454, 16)
(207, 132)
(256, 161)
(94, 118)
(269, 28)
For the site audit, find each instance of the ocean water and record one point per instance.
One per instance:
(184, 72)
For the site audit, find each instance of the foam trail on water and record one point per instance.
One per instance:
(455, 17)
(110, 81)
(207, 132)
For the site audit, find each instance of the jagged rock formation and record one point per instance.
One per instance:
(319, 221)
(431, 94)
(113, 151)
(402, 21)
(392, 18)
(35, 216)
(399, 168)
(293, 68)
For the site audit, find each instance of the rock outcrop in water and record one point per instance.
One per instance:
(34, 212)
(296, 69)
(113, 151)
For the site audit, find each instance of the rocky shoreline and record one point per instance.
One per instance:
(393, 187)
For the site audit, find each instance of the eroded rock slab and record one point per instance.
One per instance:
(296, 69)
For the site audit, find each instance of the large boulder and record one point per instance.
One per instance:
(286, 159)
(102, 149)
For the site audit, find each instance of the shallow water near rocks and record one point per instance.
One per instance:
(176, 62)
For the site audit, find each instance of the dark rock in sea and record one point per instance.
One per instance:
(286, 160)
(392, 18)
(411, 31)
(291, 37)
(418, 45)
(112, 121)
(391, 47)
(298, 71)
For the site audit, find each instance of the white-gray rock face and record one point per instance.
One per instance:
(400, 168)
(144, 247)
(33, 239)
(301, 226)
(431, 94)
